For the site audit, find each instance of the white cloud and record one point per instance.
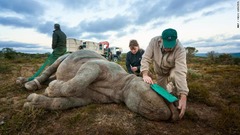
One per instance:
(24, 35)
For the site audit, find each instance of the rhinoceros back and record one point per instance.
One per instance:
(85, 54)
(69, 66)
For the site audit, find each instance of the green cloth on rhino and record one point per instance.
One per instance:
(59, 40)
(50, 60)
(56, 53)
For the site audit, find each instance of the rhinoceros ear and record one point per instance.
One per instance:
(164, 93)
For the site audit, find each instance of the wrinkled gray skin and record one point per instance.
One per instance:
(85, 77)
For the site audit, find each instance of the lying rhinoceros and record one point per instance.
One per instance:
(85, 77)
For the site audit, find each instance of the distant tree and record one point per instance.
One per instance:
(9, 53)
(212, 56)
(191, 51)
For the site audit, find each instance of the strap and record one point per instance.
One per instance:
(38, 84)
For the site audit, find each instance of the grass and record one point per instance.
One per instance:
(192, 115)
(5, 69)
(214, 88)
(199, 93)
(194, 75)
(81, 115)
(24, 121)
(228, 120)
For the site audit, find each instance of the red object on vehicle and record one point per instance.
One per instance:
(104, 43)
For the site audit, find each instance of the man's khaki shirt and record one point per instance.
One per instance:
(165, 63)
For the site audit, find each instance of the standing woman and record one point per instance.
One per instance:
(134, 57)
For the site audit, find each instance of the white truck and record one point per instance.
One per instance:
(110, 53)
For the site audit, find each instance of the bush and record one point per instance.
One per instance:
(193, 75)
(236, 61)
(198, 93)
(212, 56)
(9, 53)
(225, 59)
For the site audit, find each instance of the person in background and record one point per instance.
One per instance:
(59, 40)
(134, 57)
(169, 61)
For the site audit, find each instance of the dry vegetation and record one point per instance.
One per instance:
(213, 106)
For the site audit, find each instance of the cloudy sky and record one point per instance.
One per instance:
(209, 25)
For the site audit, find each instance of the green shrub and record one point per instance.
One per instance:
(198, 93)
(236, 61)
(193, 75)
(225, 59)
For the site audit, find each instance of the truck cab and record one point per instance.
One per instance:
(115, 53)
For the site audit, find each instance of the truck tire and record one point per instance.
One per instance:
(115, 59)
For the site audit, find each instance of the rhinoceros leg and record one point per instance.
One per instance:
(36, 83)
(87, 73)
(60, 103)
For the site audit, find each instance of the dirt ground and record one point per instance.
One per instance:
(213, 108)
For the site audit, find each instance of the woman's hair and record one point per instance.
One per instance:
(133, 43)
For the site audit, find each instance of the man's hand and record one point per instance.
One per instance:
(182, 104)
(134, 69)
(147, 79)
